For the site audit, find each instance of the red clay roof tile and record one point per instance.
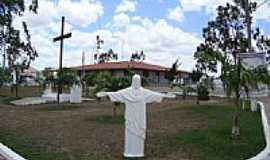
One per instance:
(123, 65)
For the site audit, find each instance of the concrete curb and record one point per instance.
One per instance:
(9, 154)
(265, 154)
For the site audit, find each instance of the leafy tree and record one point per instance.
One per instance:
(40, 80)
(18, 52)
(4, 77)
(106, 57)
(196, 76)
(90, 80)
(203, 90)
(226, 37)
(68, 77)
(105, 81)
(187, 90)
(138, 56)
(172, 74)
(48, 76)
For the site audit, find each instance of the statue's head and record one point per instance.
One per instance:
(136, 81)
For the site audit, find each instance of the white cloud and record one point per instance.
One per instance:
(263, 13)
(80, 13)
(121, 20)
(46, 13)
(209, 6)
(46, 25)
(126, 6)
(198, 5)
(162, 42)
(176, 14)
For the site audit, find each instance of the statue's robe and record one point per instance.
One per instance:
(135, 101)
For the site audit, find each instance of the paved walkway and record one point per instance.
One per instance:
(266, 102)
(264, 155)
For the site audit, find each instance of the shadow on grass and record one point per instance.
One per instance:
(106, 119)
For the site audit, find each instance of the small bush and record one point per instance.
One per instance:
(203, 93)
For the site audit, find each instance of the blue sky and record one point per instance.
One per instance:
(164, 29)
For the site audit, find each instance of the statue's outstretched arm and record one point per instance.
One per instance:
(169, 95)
(101, 94)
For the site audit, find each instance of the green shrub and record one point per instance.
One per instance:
(203, 93)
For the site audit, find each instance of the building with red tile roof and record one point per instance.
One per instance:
(154, 73)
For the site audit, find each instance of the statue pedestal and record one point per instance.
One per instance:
(76, 94)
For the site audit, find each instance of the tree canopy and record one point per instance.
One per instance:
(68, 77)
(19, 53)
(138, 56)
(172, 74)
(106, 56)
(225, 38)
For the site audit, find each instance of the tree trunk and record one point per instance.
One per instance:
(11, 89)
(184, 95)
(16, 89)
(236, 126)
(236, 119)
(16, 85)
(198, 96)
(114, 110)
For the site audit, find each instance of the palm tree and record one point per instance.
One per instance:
(105, 81)
(68, 77)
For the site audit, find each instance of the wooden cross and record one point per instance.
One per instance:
(61, 39)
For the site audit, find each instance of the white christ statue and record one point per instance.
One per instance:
(135, 99)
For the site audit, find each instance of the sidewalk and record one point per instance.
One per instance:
(265, 112)
(266, 102)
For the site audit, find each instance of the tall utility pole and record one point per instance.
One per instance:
(248, 21)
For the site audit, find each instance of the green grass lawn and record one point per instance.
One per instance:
(176, 130)
(214, 142)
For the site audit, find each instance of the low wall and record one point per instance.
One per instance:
(265, 154)
(9, 154)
